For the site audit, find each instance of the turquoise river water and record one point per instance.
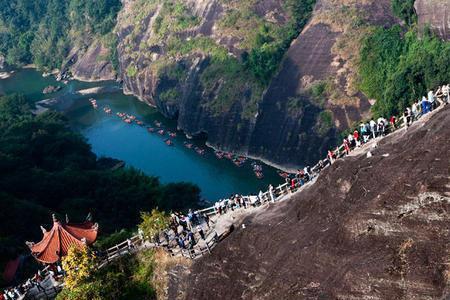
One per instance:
(112, 137)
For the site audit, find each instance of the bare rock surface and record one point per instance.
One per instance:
(436, 14)
(369, 228)
(93, 64)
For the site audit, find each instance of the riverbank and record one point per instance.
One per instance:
(5, 75)
(109, 136)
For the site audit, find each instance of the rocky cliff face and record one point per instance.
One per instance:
(436, 14)
(91, 62)
(169, 58)
(369, 228)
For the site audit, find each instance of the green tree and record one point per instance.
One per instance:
(404, 9)
(153, 223)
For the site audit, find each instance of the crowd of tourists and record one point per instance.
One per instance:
(381, 126)
(185, 231)
(39, 283)
(366, 131)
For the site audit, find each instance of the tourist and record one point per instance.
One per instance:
(351, 140)
(446, 93)
(346, 146)
(373, 127)
(330, 156)
(272, 198)
(406, 118)
(393, 121)
(356, 138)
(223, 206)
(200, 232)
(381, 126)
(415, 111)
(207, 220)
(188, 223)
(292, 185)
(425, 105)
(217, 208)
(431, 101)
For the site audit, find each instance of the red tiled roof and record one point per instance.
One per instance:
(56, 242)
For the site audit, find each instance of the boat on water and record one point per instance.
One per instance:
(228, 155)
(237, 162)
(128, 121)
(120, 114)
(172, 134)
(257, 167)
(259, 174)
(131, 117)
(161, 132)
(93, 102)
(199, 151)
(168, 142)
(188, 145)
(219, 154)
(151, 129)
(157, 124)
(107, 110)
(283, 174)
(140, 123)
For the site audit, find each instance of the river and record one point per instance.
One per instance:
(112, 137)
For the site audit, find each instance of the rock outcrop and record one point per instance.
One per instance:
(368, 228)
(436, 14)
(287, 121)
(94, 64)
(90, 63)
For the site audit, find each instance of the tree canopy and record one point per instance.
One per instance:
(42, 32)
(45, 168)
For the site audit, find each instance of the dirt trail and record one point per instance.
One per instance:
(369, 228)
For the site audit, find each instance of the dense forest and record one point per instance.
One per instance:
(42, 32)
(398, 66)
(45, 167)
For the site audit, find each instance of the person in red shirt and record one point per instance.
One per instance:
(346, 146)
(392, 122)
(356, 137)
(330, 156)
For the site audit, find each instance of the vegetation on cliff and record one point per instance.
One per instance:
(43, 32)
(128, 278)
(233, 74)
(45, 167)
(399, 67)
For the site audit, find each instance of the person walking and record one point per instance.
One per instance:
(446, 93)
(272, 198)
(424, 105)
(200, 232)
(431, 100)
(356, 138)
(373, 127)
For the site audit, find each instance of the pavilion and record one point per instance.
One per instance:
(56, 243)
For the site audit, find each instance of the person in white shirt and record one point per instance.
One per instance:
(431, 100)
(446, 93)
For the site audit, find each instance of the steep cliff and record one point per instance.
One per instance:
(368, 228)
(91, 63)
(193, 60)
(436, 14)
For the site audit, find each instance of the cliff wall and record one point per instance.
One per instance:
(188, 63)
(368, 228)
(436, 14)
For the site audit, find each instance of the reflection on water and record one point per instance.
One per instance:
(110, 136)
